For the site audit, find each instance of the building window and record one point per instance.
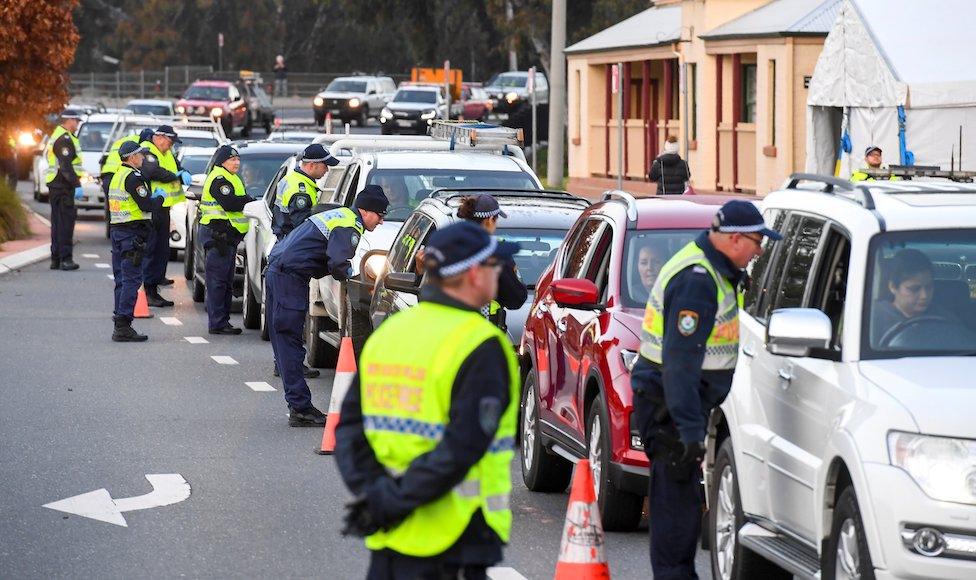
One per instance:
(692, 96)
(748, 93)
(771, 103)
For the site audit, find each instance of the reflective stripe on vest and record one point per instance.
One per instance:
(722, 346)
(122, 208)
(173, 189)
(112, 160)
(52, 161)
(340, 217)
(407, 372)
(861, 176)
(211, 210)
(296, 182)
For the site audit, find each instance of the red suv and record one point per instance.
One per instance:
(221, 100)
(582, 336)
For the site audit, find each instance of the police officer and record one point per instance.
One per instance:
(427, 433)
(222, 227)
(872, 159)
(167, 179)
(63, 179)
(322, 245)
(298, 193)
(689, 345)
(130, 209)
(111, 161)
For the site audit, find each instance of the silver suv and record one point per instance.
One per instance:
(349, 98)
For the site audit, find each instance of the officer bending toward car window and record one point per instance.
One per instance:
(427, 433)
(63, 179)
(167, 180)
(322, 245)
(130, 215)
(298, 193)
(689, 345)
(222, 227)
(111, 160)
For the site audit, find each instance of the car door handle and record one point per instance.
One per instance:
(561, 325)
(787, 377)
(749, 350)
(542, 307)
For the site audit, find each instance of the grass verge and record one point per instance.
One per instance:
(13, 216)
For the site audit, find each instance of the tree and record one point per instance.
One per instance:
(34, 59)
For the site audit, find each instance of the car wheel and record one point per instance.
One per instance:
(541, 470)
(268, 122)
(619, 510)
(188, 257)
(252, 308)
(846, 556)
(363, 116)
(246, 129)
(359, 328)
(174, 254)
(265, 331)
(731, 560)
(321, 354)
(384, 130)
(319, 120)
(199, 290)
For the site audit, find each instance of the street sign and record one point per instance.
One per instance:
(168, 488)
(220, 39)
(614, 79)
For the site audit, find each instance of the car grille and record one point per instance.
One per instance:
(336, 103)
(406, 114)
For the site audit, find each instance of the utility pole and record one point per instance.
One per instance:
(509, 17)
(557, 96)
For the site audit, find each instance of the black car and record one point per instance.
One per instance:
(260, 162)
(412, 108)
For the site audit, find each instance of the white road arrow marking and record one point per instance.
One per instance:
(195, 339)
(168, 488)
(501, 573)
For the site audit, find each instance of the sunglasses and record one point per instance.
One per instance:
(757, 241)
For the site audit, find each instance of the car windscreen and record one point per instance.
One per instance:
(407, 187)
(538, 246)
(415, 97)
(149, 109)
(195, 164)
(206, 93)
(94, 136)
(198, 142)
(921, 294)
(339, 86)
(257, 171)
(508, 81)
(645, 252)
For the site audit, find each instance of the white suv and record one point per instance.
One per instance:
(847, 446)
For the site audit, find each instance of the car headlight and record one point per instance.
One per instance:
(216, 111)
(25, 139)
(354, 102)
(629, 358)
(428, 115)
(511, 97)
(180, 109)
(386, 113)
(945, 468)
(373, 267)
(201, 110)
(318, 101)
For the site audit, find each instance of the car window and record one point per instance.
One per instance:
(407, 187)
(760, 268)
(350, 185)
(94, 136)
(195, 164)
(208, 93)
(347, 86)
(575, 264)
(645, 253)
(829, 288)
(537, 246)
(771, 283)
(405, 246)
(272, 191)
(330, 183)
(415, 96)
(598, 263)
(797, 273)
(234, 94)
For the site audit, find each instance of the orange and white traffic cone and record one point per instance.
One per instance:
(581, 554)
(142, 305)
(345, 371)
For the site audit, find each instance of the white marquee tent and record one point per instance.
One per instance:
(884, 54)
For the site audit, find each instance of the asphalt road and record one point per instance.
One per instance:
(81, 413)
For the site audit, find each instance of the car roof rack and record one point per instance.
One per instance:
(352, 145)
(832, 184)
(176, 121)
(625, 198)
(446, 194)
(473, 133)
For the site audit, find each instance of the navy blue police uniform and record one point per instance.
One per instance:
(62, 192)
(322, 245)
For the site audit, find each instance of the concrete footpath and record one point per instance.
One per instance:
(19, 253)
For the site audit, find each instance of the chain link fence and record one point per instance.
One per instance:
(172, 81)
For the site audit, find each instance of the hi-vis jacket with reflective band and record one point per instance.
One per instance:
(722, 346)
(173, 189)
(340, 217)
(211, 210)
(113, 161)
(52, 160)
(122, 208)
(860, 175)
(293, 184)
(407, 373)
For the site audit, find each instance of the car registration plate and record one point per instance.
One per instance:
(404, 123)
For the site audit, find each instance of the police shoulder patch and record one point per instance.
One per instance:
(65, 151)
(301, 202)
(354, 239)
(225, 189)
(301, 187)
(489, 414)
(699, 270)
(150, 157)
(687, 322)
(141, 191)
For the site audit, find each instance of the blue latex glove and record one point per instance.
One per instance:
(158, 193)
(79, 192)
(185, 176)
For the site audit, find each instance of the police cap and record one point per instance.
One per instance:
(223, 153)
(128, 149)
(316, 153)
(168, 131)
(739, 216)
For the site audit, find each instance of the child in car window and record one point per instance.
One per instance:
(910, 288)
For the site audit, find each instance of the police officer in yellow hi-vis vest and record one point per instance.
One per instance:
(688, 351)
(298, 193)
(63, 179)
(872, 160)
(130, 208)
(167, 179)
(222, 227)
(427, 433)
(111, 161)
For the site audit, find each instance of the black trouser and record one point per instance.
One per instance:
(63, 215)
(157, 251)
(221, 253)
(389, 565)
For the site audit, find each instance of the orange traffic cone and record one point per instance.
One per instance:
(581, 552)
(142, 305)
(345, 370)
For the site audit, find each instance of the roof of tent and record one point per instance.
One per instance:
(652, 27)
(885, 53)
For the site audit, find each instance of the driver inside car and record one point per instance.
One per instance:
(910, 288)
(396, 192)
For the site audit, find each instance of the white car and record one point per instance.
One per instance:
(194, 160)
(349, 98)
(847, 446)
(157, 107)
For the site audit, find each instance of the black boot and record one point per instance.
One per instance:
(68, 264)
(310, 417)
(167, 282)
(55, 263)
(155, 300)
(125, 333)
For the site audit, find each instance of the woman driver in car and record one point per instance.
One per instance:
(650, 259)
(911, 287)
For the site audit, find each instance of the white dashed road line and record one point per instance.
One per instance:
(92, 256)
(110, 276)
(499, 573)
(223, 360)
(102, 265)
(260, 386)
(196, 340)
(170, 321)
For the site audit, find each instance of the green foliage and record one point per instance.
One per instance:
(13, 216)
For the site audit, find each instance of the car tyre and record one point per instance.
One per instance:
(268, 122)
(252, 308)
(730, 559)
(846, 555)
(199, 290)
(174, 254)
(384, 130)
(541, 470)
(359, 328)
(363, 118)
(321, 354)
(619, 510)
(188, 253)
(319, 120)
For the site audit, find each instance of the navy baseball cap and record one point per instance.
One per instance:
(486, 206)
(316, 153)
(372, 198)
(129, 148)
(872, 148)
(168, 131)
(462, 246)
(223, 153)
(742, 217)
(146, 134)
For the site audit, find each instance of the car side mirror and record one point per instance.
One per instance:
(402, 282)
(797, 331)
(198, 179)
(254, 209)
(374, 265)
(371, 92)
(576, 293)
